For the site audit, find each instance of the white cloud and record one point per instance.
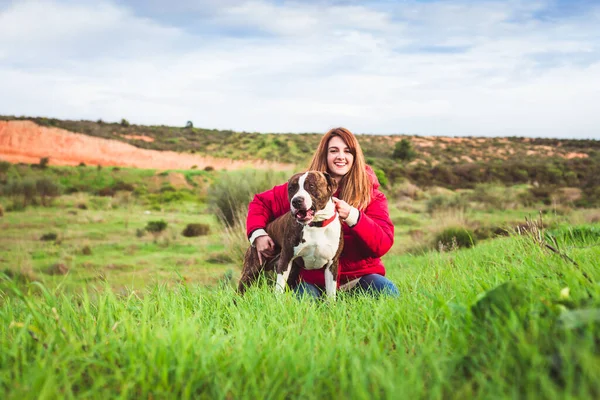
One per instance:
(451, 68)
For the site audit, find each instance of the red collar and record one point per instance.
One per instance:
(322, 224)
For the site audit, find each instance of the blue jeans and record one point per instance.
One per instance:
(372, 284)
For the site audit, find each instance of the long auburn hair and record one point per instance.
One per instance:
(354, 187)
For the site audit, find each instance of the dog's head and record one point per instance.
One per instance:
(308, 193)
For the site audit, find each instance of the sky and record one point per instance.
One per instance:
(447, 67)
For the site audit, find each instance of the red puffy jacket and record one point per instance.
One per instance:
(364, 243)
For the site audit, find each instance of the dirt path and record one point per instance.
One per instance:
(25, 141)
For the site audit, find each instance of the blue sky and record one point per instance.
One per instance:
(456, 68)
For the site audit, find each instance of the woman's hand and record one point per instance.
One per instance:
(265, 247)
(342, 207)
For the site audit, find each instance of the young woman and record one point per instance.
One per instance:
(368, 230)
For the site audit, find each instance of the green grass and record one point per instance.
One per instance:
(156, 317)
(188, 341)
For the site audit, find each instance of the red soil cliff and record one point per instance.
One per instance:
(25, 141)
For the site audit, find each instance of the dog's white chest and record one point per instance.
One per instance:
(319, 246)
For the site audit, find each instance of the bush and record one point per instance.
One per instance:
(234, 190)
(46, 237)
(454, 237)
(123, 186)
(106, 192)
(404, 151)
(28, 191)
(383, 180)
(86, 250)
(47, 190)
(44, 162)
(1, 211)
(156, 227)
(440, 202)
(57, 269)
(124, 123)
(543, 194)
(4, 167)
(192, 230)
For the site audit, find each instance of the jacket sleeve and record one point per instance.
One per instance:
(265, 207)
(374, 227)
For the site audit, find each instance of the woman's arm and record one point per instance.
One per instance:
(265, 207)
(374, 227)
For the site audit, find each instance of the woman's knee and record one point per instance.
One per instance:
(378, 284)
(306, 289)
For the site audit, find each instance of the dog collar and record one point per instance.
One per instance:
(322, 224)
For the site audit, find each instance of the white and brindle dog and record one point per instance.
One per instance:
(309, 236)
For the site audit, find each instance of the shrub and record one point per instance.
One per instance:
(209, 168)
(543, 194)
(409, 190)
(234, 190)
(57, 269)
(86, 250)
(454, 237)
(106, 192)
(234, 237)
(123, 186)
(404, 151)
(156, 227)
(440, 202)
(4, 167)
(124, 123)
(47, 190)
(46, 237)
(82, 206)
(1, 211)
(140, 232)
(44, 162)
(383, 180)
(167, 187)
(192, 230)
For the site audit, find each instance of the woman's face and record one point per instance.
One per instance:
(339, 158)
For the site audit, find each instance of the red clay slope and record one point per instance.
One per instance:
(25, 141)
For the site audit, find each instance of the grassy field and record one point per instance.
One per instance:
(106, 309)
(447, 336)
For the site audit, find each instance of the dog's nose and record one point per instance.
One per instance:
(297, 202)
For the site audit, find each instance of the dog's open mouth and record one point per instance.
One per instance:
(305, 215)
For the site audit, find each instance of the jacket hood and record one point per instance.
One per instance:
(372, 177)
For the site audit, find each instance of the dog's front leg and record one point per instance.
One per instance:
(331, 279)
(284, 266)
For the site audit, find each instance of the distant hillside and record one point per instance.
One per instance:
(444, 161)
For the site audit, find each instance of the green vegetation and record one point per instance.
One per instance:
(498, 281)
(404, 151)
(505, 319)
(232, 191)
(193, 230)
(449, 162)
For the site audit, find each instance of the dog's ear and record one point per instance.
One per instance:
(331, 183)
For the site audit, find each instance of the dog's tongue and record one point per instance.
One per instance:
(305, 214)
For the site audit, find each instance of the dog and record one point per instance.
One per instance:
(311, 232)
